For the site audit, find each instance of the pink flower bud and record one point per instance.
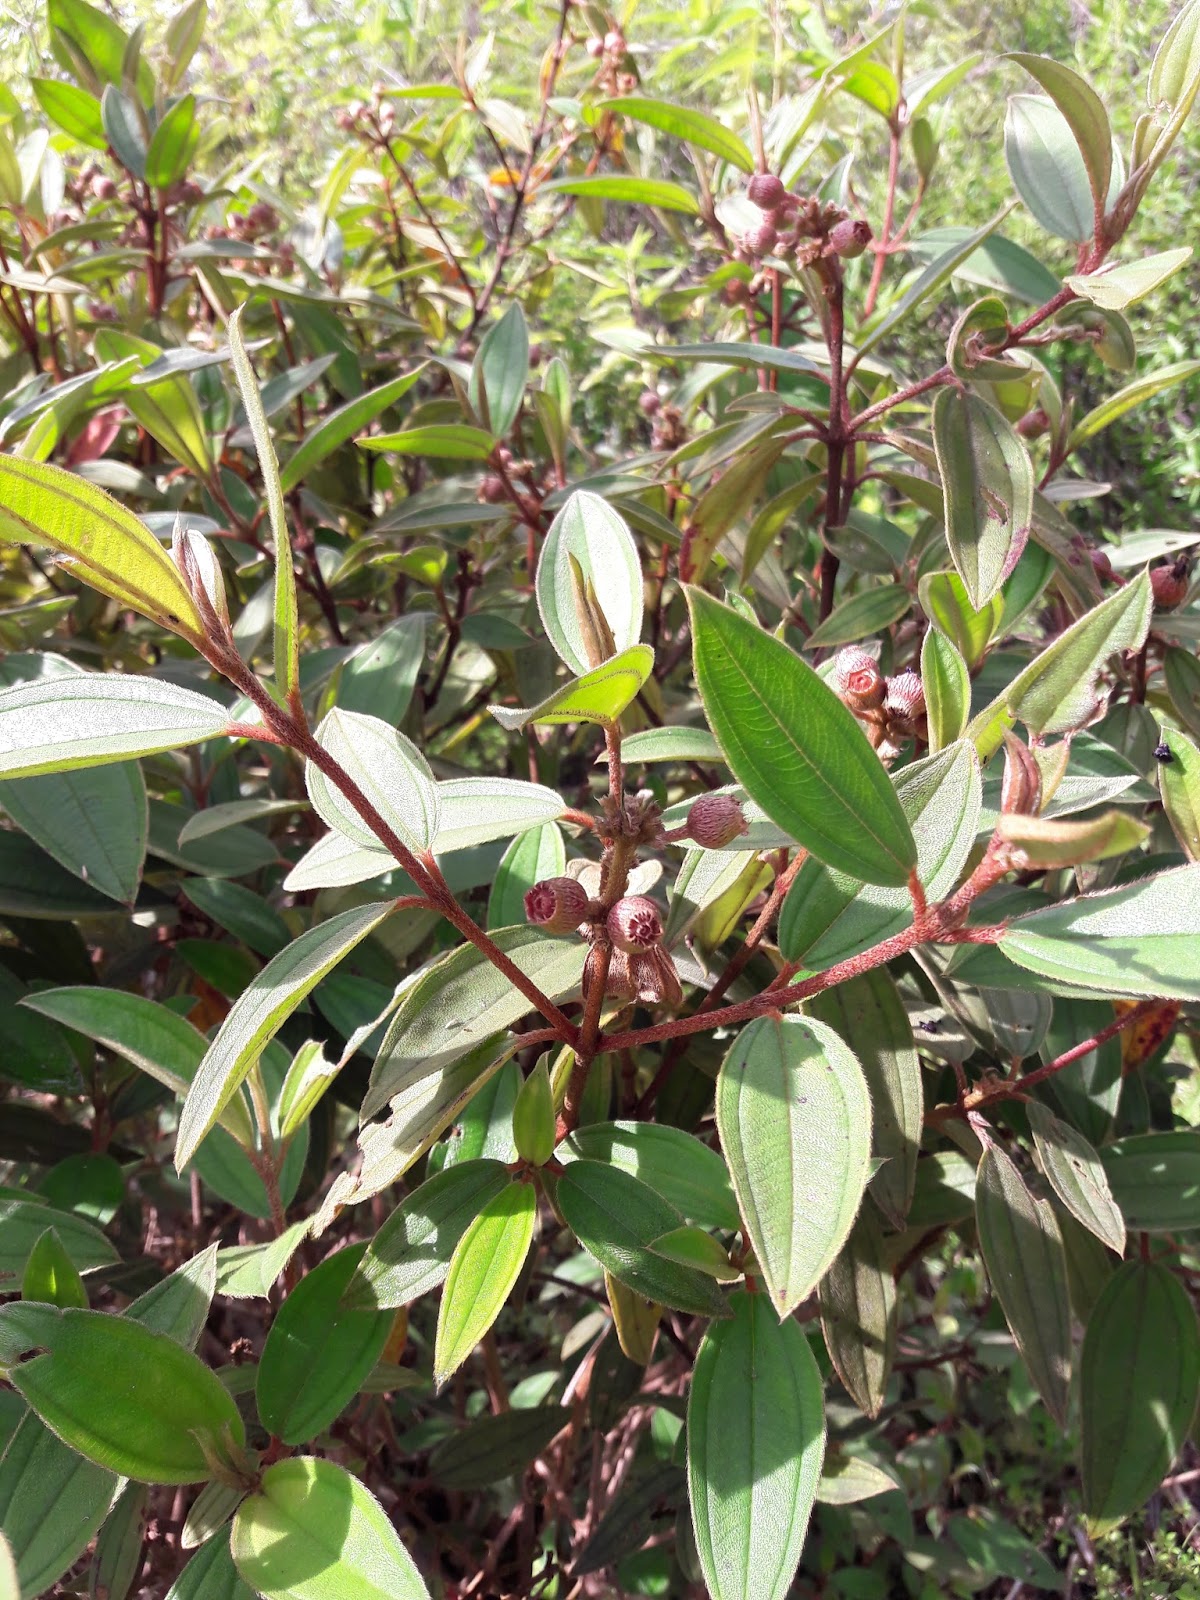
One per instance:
(905, 697)
(849, 238)
(766, 191)
(857, 680)
(634, 924)
(761, 239)
(595, 45)
(558, 905)
(715, 820)
(1170, 585)
(1102, 566)
(649, 403)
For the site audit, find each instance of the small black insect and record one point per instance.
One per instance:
(1162, 752)
(928, 1027)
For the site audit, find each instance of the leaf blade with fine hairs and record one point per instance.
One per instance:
(598, 696)
(287, 619)
(987, 482)
(755, 1444)
(259, 1012)
(796, 749)
(588, 542)
(486, 1263)
(683, 122)
(1023, 1251)
(1077, 1176)
(858, 1314)
(1084, 113)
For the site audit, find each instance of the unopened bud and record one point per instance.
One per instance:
(849, 238)
(1102, 566)
(634, 924)
(1170, 585)
(905, 698)
(857, 680)
(103, 188)
(595, 46)
(557, 905)
(648, 403)
(533, 1117)
(655, 980)
(766, 191)
(491, 490)
(761, 239)
(715, 820)
(1033, 424)
(1021, 788)
(614, 43)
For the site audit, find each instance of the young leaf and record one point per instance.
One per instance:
(128, 1399)
(617, 1218)
(51, 1275)
(858, 1315)
(1083, 110)
(1179, 785)
(599, 696)
(1142, 939)
(287, 621)
(1116, 405)
(1138, 1377)
(681, 1169)
(947, 685)
(499, 372)
(172, 144)
(755, 1444)
(90, 719)
(486, 1263)
(1057, 692)
(390, 771)
(987, 481)
(1047, 168)
(796, 749)
(635, 191)
(111, 549)
(1077, 1176)
(259, 1013)
(943, 598)
(794, 1117)
(451, 441)
(683, 122)
(1023, 1251)
(589, 532)
(341, 425)
(318, 1352)
(1049, 842)
(311, 1531)
(1113, 288)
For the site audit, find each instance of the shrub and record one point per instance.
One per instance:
(642, 808)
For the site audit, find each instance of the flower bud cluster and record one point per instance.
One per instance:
(893, 708)
(610, 52)
(803, 228)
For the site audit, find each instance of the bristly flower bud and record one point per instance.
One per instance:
(634, 924)
(1170, 585)
(1021, 789)
(849, 238)
(557, 905)
(715, 820)
(857, 680)
(766, 191)
(905, 699)
(761, 239)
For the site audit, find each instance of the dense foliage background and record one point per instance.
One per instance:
(451, 266)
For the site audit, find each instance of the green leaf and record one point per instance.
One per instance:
(167, 407)
(98, 46)
(462, 1001)
(211, 1574)
(939, 270)
(987, 481)
(868, 1014)
(260, 1012)
(755, 1444)
(107, 545)
(94, 823)
(74, 110)
(617, 1218)
(51, 1275)
(943, 597)
(795, 748)
(22, 1223)
(128, 1399)
(475, 811)
(500, 371)
(590, 539)
(1023, 1251)
(681, 1169)
(1179, 785)
(493, 1448)
(684, 122)
(1057, 692)
(532, 856)
(732, 353)
(829, 916)
(339, 426)
(182, 39)
(124, 129)
(318, 1352)
(858, 1314)
(792, 1104)
(598, 696)
(1155, 1180)
(172, 144)
(411, 1252)
(865, 614)
(313, 1532)
(846, 1480)
(380, 677)
(1046, 167)
(1116, 405)
(692, 1247)
(1182, 673)
(88, 719)
(533, 1117)
(947, 685)
(636, 191)
(52, 1503)
(1142, 939)
(388, 769)
(449, 441)
(287, 622)
(1138, 1376)
(486, 1263)
(1049, 842)
(1077, 1176)
(670, 744)
(1115, 287)
(1083, 111)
